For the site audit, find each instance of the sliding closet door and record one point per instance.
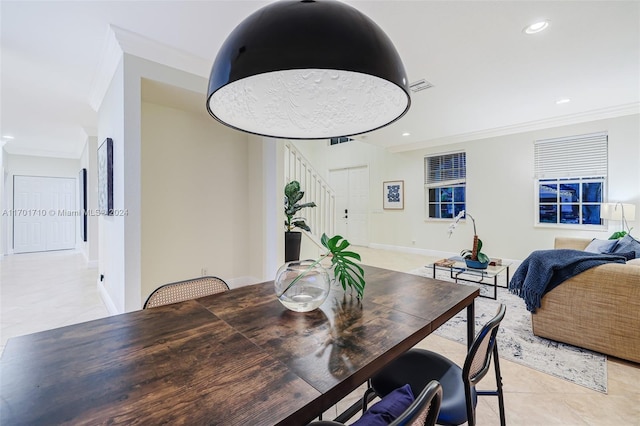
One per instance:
(44, 213)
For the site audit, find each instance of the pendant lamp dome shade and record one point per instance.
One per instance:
(305, 69)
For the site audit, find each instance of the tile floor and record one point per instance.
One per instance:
(49, 290)
(41, 291)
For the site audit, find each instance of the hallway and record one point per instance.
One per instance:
(41, 291)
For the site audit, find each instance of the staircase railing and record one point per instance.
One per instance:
(322, 218)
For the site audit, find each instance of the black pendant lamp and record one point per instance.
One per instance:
(307, 69)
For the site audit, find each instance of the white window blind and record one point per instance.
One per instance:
(445, 169)
(575, 156)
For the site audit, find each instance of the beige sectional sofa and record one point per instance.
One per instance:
(598, 309)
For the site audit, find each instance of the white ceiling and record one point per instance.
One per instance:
(489, 77)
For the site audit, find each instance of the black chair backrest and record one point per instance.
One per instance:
(478, 359)
(424, 409)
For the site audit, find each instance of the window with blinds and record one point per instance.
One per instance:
(341, 139)
(570, 178)
(445, 178)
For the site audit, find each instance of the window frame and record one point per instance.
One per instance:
(579, 159)
(580, 181)
(459, 180)
(339, 140)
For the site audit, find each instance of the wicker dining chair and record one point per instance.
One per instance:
(185, 290)
(423, 411)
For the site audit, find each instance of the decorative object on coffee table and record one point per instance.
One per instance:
(474, 258)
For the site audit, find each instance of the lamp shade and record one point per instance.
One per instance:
(305, 69)
(617, 211)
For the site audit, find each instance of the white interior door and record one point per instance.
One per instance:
(337, 180)
(351, 187)
(44, 216)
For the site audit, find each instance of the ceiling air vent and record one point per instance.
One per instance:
(419, 85)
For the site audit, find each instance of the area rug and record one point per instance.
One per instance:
(517, 343)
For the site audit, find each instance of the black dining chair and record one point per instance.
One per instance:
(423, 411)
(185, 290)
(417, 367)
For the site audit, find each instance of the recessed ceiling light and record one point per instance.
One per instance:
(406, 134)
(8, 137)
(563, 101)
(536, 28)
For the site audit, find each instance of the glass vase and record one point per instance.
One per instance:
(302, 286)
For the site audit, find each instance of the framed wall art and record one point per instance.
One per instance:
(82, 189)
(393, 195)
(105, 177)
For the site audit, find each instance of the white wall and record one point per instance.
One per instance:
(500, 190)
(123, 245)
(111, 229)
(265, 176)
(29, 165)
(501, 193)
(3, 203)
(195, 198)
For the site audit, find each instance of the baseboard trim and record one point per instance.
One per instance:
(90, 263)
(515, 263)
(412, 250)
(106, 299)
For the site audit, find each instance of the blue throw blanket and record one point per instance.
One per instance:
(543, 270)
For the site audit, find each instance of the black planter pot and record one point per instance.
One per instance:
(292, 246)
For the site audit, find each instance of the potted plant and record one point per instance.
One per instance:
(292, 195)
(474, 258)
(302, 286)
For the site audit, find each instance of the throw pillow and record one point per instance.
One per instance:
(628, 255)
(627, 244)
(388, 408)
(601, 246)
(634, 262)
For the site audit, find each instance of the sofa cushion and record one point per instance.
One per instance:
(627, 244)
(601, 246)
(634, 262)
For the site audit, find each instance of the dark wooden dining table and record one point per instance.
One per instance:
(234, 358)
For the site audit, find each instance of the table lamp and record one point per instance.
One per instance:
(618, 211)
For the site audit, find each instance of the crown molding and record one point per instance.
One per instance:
(146, 48)
(599, 114)
(14, 150)
(90, 132)
(106, 68)
(119, 41)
